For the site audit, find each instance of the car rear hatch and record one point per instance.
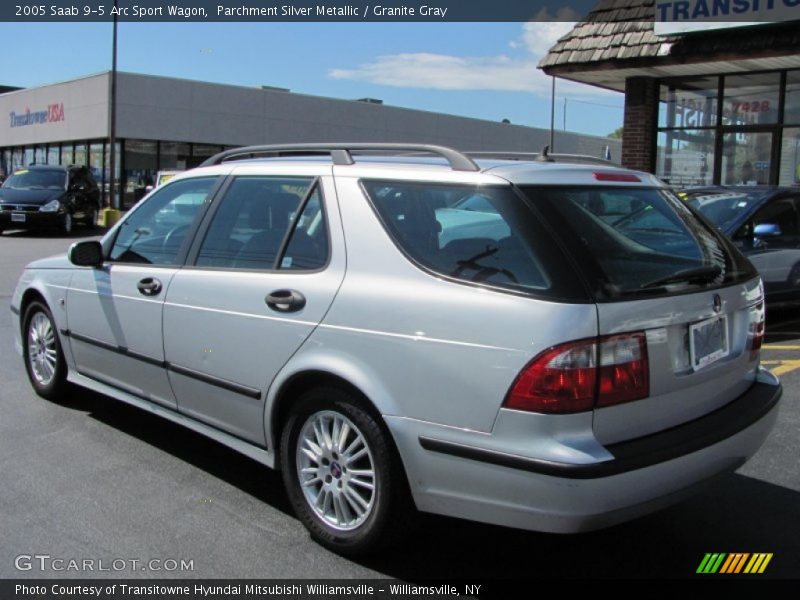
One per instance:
(680, 310)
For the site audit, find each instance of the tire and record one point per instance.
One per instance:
(67, 223)
(91, 218)
(44, 358)
(348, 514)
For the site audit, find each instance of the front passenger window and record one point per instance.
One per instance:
(156, 231)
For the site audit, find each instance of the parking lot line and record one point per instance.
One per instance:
(783, 366)
(780, 347)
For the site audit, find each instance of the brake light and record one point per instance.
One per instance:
(578, 376)
(614, 176)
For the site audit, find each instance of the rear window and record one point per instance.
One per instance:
(633, 242)
(478, 234)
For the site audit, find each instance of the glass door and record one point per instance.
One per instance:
(746, 158)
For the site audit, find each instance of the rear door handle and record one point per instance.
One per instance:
(149, 286)
(285, 300)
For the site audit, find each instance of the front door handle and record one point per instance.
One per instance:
(149, 286)
(285, 300)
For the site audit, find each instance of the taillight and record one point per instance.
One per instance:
(577, 376)
(756, 330)
(624, 371)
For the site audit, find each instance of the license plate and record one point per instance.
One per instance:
(17, 217)
(708, 341)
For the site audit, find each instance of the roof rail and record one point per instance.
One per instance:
(342, 154)
(544, 157)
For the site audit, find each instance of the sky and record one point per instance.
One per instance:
(481, 70)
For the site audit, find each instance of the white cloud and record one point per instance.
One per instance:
(445, 72)
(494, 73)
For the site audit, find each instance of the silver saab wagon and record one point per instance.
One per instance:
(533, 343)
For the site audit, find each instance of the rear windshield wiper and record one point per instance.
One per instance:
(483, 272)
(694, 275)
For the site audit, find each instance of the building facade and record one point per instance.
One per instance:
(164, 123)
(716, 103)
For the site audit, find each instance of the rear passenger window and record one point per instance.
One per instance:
(267, 223)
(480, 234)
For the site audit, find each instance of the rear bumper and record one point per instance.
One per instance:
(636, 477)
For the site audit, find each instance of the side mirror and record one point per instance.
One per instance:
(767, 230)
(86, 254)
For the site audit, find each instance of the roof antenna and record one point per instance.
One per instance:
(544, 155)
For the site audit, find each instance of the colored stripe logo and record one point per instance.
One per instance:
(734, 562)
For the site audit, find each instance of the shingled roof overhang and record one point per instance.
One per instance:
(616, 41)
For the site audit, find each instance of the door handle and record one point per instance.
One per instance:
(149, 286)
(285, 300)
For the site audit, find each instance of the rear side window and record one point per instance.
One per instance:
(639, 241)
(479, 234)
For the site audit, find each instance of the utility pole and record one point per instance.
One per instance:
(552, 111)
(112, 201)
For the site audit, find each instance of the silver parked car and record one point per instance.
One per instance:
(533, 343)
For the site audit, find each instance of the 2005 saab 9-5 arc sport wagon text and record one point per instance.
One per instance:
(529, 342)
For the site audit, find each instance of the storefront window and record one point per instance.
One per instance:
(141, 165)
(746, 158)
(67, 154)
(52, 155)
(689, 103)
(686, 157)
(18, 159)
(174, 155)
(96, 167)
(81, 155)
(29, 157)
(751, 99)
(201, 152)
(789, 173)
(107, 173)
(791, 109)
(5, 164)
(40, 155)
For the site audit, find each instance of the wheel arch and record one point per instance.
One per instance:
(310, 373)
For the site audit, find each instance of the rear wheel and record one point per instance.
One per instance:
(44, 359)
(342, 474)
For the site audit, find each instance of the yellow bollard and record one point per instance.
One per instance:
(108, 217)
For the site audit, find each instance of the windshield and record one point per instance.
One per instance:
(723, 209)
(37, 179)
(639, 241)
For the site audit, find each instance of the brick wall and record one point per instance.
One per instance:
(639, 124)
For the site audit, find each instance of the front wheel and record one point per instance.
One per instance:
(67, 223)
(342, 474)
(44, 359)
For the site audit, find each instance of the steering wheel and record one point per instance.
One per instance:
(174, 239)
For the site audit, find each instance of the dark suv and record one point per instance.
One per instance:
(49, 196)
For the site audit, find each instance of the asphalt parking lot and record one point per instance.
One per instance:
(94, 479)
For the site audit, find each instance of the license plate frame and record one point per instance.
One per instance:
(708, 341)
(18, 217)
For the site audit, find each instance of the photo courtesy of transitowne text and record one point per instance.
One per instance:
(396, 300)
